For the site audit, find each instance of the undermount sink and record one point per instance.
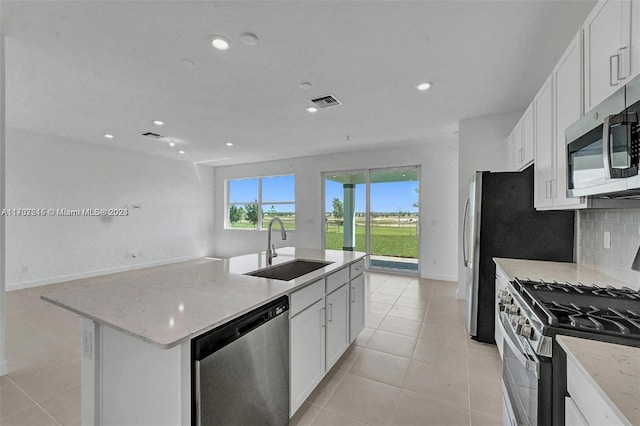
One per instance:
(290, 270)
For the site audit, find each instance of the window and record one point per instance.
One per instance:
(253, 202)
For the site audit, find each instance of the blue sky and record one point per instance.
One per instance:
(385, 197)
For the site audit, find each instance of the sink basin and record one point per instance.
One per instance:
(290, 270)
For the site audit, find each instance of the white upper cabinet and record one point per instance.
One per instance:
(520, 143)
(558, 104)
(608, 49)
(511, 152)
(545, 155)
(568, 108)
(527, 138)
(635, 38)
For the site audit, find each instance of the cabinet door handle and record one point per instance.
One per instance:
(611, 73)
(330, 312)
(622, 63)
(353, 295)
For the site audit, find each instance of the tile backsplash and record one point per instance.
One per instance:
(624, 228)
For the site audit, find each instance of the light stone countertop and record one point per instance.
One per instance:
(556, 271)
(165, 306)
(614, 371)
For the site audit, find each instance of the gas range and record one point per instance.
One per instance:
(539, 310)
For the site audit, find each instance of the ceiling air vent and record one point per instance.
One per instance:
(326, 101)
(151, 135)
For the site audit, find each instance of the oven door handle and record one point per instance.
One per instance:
(524, 360)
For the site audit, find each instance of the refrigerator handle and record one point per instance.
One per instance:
(464, 234)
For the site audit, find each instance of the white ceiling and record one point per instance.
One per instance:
(80, 69)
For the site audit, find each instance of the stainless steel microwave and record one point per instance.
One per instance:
(603, 148)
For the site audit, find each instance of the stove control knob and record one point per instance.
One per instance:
(513, 309)
(506, 298)
(519, 322)
(527, 331)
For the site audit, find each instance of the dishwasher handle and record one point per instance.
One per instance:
(216, 339)
(252, 324)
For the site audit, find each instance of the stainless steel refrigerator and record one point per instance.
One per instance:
(500, 221)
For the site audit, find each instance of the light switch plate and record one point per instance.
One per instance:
(607, 239)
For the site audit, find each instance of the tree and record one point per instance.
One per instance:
(417, 203)
(338, 208)
(272, 212)
(236, 213)
(251, 212)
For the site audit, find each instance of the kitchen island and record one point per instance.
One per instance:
(137, 330)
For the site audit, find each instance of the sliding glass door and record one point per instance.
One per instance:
(376, 211)
(345, 211)
(394, 219)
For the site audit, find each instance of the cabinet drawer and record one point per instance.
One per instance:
(335, 280)
(303, 298)
(356, 268)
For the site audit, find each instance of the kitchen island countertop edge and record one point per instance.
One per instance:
(169, 305)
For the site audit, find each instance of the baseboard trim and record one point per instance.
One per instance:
(90, 274)
(439, 277)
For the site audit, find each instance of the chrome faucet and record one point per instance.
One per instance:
(271, 248)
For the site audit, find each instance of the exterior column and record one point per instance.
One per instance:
(349, 225)
(3, 359)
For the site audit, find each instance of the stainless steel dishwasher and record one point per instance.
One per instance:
(240, 370)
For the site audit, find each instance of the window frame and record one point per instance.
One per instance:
(228, 203)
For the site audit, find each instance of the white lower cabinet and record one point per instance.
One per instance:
(501, 284)
(356, 310)
(307, 352)
(572, 415)
(337, 324)
(587, 405)
(321, 327)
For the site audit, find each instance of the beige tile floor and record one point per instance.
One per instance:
(412, 365)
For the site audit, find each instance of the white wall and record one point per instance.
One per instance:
(438, 201)
(3, 362)
(175, 220)
(481, 146)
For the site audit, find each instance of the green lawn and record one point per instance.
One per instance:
(385, 240)
(388, 236)
(289, 223)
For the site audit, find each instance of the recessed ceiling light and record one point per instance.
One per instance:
(220, 42)
(181, 152)
(423, 86)
(172, 144)
(249, 39)
(158, 122)
(108, 136)
(229, 144)
(311, 109)
(305, 85)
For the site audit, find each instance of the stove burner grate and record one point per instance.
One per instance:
(610, 321)
(568, 288)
